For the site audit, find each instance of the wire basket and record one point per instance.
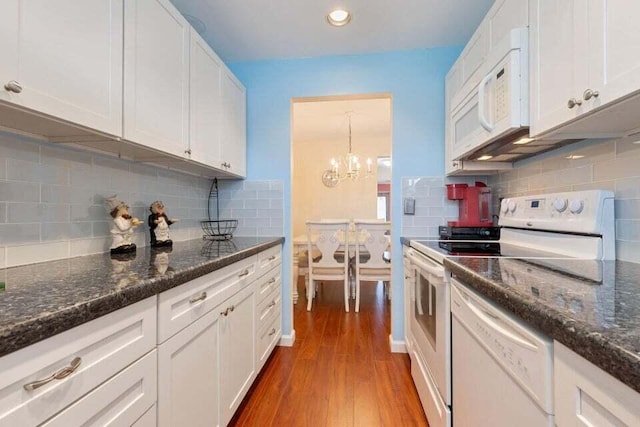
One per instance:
(221, 229)
(217, 229)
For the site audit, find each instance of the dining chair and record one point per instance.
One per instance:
(329, 240)
(372, 261)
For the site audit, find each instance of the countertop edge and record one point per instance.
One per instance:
(580, 338)
(37, 329)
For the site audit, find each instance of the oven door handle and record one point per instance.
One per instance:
(427, 265)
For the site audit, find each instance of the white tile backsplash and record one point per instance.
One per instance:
(52, 200)
(432, 208)
(257, 205)
(608, 165)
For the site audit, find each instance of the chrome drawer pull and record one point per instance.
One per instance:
(59, 375)
(271, 258)
(271, 281)
(202, 297)
(244, 273)
(228, 310)
(272, 331)
(271, 304)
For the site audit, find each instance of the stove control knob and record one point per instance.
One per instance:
(504, 206)
(560, 205)
(512, 206)
(576, 206)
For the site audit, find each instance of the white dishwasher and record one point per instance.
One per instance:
(502, 371)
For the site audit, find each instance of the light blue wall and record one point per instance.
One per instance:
(415, 80)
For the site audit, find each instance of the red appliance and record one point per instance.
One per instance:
(475, 205)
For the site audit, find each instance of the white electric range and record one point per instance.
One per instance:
(538, 235)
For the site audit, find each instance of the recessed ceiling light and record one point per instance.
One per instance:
(485, 157)
(339, 17)
(574, 156)
(523, 141)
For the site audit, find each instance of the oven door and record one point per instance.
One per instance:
(430, 320)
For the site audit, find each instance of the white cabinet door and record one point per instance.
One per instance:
(555, 58)
(237, 350)
(67, 57)
(188, 369)
(234, 118)
(156, 76)
(614, 50)
(206, 103)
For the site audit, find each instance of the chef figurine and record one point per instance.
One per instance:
(122, 226)
(159, 224)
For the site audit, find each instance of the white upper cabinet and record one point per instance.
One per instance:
(585, 66)
(614, 49)
(205, 103)
(156, 76)
(64, 59)
(234, 124)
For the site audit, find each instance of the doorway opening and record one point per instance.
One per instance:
(325, 130)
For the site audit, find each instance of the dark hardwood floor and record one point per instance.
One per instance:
(340, 372)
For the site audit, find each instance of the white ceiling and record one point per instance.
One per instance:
(245, 30)
(329, 120)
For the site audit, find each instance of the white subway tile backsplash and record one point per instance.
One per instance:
(19, 233)
(89, 246)
(29, 254)
(14, 191)
(36, 212)
(18, 147)
(606, 165)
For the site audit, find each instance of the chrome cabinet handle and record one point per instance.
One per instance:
(271, 258)
(233, 307)
(59, 375)
(201, 297)
(244, 273)
(13, 86)
(228, 310)
(588, 94)
(455, 164)
(271, 304)
(271, 281)
(573, 102)
(272, 331)
(187, 151)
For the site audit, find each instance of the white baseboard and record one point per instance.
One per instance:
(397, 346)
(288, 340)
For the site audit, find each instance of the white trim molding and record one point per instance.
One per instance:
(397, 346)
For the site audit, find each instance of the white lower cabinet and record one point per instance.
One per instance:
(96, 351)
(208, 366)
(237, 350)
(188, 375)
(585, 395)
(121, 401)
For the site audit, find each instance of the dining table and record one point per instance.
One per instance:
(300, 245)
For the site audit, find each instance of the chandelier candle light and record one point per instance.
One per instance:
(345, 168)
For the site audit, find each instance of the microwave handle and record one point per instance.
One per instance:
(481, 114)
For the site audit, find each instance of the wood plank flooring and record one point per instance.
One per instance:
(340, 372)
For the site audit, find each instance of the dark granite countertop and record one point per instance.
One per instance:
(599, 319)
(41, 300)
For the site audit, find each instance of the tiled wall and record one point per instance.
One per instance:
(432, 208)
(52, 201)
(257, 205)
(609, 165)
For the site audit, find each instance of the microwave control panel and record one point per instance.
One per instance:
(501, 94)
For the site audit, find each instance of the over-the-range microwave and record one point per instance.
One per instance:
(497, 108)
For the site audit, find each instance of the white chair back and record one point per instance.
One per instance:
(373, 237)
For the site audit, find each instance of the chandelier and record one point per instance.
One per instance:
(347, 167)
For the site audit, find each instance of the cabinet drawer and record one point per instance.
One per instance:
(182, 305)
(267, 339)
(585, 395)
(122, 400)
(105, 346)
(267, 283)
(268, 259)
(270, 305)
(148, 419)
